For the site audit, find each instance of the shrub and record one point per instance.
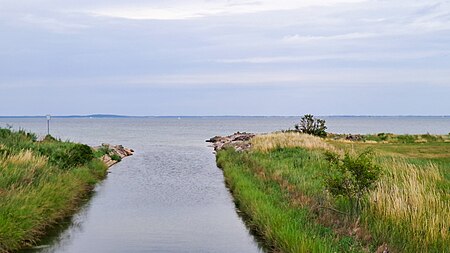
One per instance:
(406, 138)
(431, 138)
(310, 125)
(49, 138)
(79, 154)
(116, 157)
(66, 155)
(351, 176)
(384, 136)
(4, 133)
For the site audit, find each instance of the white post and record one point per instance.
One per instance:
(48, 124)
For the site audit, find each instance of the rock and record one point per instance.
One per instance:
(214, 139)
(239, 141)
(118, 150)
(108, 161)
(354, 137)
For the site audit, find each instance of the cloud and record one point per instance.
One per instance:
(397, 56)
(198, 9)
(337, 77)
(309, 38)
(136, 48)
(53, 24)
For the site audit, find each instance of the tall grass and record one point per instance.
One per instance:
(267, 142)
(35, 190)
(408, 208)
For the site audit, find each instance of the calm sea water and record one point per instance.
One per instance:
(170, 196)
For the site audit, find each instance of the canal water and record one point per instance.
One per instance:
(170, 196)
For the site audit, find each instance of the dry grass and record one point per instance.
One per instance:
(20, 170)
(407, 194)
(25, 157)
(267, 142)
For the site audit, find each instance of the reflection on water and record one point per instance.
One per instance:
(170, 196)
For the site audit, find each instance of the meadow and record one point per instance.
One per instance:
(41, 183)
(281, 185)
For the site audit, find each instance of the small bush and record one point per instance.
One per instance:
(79, 154)
(406, 138)
(430, 138)
(116, 157)
(66, 155)
(351, 176)
(49, 138)
(4, 132)
(310, 125)
(384, 136)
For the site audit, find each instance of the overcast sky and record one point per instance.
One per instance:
(219, 57)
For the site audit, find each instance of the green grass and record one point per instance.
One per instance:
(280, 187)
(40, 184)
(279, 217)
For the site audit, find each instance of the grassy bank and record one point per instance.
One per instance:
(41, 182)
(281, 185)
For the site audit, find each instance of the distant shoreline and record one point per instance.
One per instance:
(106, 116)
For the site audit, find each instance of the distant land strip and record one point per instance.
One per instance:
(218, 116)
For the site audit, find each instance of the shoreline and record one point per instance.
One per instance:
(44, 182)
(112, 154)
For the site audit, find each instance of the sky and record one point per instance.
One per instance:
(225, 57)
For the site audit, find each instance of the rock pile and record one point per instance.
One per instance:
(113, 154)
(239, 141)
(354, 137)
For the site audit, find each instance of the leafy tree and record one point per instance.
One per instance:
(310, 125)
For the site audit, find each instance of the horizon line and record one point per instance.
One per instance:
(204, 116)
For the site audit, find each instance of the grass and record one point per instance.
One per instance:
(268, 142)
(286, 225)
(280, 185)
(40, 184)
(408, 209)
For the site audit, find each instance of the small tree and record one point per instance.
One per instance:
(310, 125)
(351, 176)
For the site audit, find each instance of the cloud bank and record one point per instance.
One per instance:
(184, 51)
